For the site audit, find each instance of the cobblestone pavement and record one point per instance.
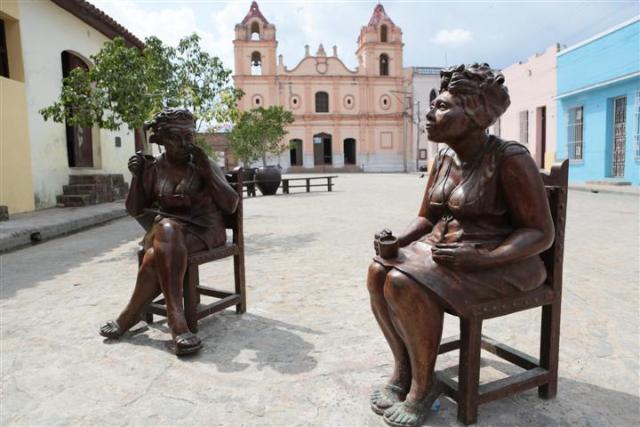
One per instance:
(308, 351)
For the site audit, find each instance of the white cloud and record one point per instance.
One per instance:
(456, 36)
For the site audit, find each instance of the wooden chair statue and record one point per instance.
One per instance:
(193, 289)
(483, 245)
(185, 204)
(542, 373)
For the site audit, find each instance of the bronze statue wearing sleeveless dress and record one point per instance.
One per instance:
(483, 221)
(179, 198)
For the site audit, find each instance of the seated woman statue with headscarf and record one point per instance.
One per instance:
(179, 197)
(482, 224)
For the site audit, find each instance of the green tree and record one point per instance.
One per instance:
(126, 86)
(259, 131)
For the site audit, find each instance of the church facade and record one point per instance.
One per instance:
(345, 120)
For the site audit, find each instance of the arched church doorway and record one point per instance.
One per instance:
(295, 152)
(349, 151)
(322, 154)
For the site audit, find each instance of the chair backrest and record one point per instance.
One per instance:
(234, 221)
(556, 183)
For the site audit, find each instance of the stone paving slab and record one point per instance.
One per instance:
(308, 352)
(33, 227)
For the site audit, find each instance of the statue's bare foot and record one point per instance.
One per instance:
(187, 343)
(411, 414)
(111, 330)
(385, 397)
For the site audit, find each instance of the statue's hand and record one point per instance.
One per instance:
(461, 257)
(200, 159)
(136, 164)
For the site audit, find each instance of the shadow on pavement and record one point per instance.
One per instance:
(235, 342)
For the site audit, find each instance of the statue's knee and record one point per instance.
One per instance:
(395, 285)
(167, 229)
(376, 277)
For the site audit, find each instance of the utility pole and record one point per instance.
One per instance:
(417, 135)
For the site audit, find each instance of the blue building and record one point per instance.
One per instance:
(598, 84)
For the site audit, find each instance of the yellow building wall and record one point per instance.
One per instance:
(16, 186)
(16, 183)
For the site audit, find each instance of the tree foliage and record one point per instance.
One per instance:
(126, 86)
(258, 132)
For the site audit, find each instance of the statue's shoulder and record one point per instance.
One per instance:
(505, 149)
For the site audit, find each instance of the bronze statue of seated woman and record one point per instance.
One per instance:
(179, 197)
(482, 224)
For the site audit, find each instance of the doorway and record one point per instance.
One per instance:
(79, 141)
(295, 152)
(619, 136)
(349, 151)
(322, 154)
(541, 135)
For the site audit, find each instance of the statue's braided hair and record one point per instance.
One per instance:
(481, 90)
(170, 115)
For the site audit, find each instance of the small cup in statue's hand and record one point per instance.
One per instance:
(388, 246)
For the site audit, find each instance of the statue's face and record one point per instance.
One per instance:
(446, 119)
(176, 139)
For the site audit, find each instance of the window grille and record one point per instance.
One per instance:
(322, 102)
(637, 133)
(575, 127)
(524, 127)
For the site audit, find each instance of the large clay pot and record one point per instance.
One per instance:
(268, 179)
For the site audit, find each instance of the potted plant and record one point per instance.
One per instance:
(256, 133)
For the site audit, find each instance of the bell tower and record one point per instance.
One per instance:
(254, 46)
(380, 46)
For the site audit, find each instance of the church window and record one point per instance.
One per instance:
(384, 65)
(255, 31)
(322, 102)
(383, 34)
(256, 64)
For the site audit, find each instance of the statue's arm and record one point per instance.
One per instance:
(420, 226)
(137, 199)
(526, 199)
(224, 195)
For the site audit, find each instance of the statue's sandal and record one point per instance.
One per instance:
(385, 397)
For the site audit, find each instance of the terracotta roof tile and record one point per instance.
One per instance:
(99, 20)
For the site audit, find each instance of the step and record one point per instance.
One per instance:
(610, 181)
(75, 200)
(73, 189)
(89, 179)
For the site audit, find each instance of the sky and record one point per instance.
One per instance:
(435, 32)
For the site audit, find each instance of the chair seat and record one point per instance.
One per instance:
(541, 295)
(226, 250)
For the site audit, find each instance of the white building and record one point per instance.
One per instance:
(48, 39)
(425, 88)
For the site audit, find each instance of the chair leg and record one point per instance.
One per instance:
(549, 348)
(469, 370)
(147, 317)
(191, 281)
(238, 272)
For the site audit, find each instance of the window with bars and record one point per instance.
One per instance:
(524, 127)
(575, 133)
(637, 133)
(322, 102)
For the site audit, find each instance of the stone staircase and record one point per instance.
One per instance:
(84, 190)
